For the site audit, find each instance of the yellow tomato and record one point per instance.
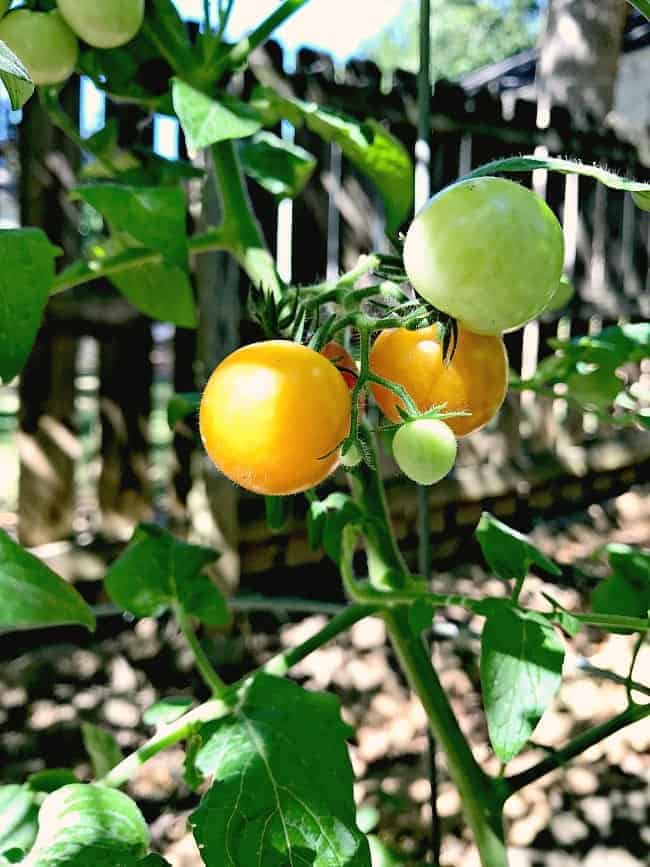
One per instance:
(476, 381)
(272, 415)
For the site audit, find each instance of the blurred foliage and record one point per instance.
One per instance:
(465, 35)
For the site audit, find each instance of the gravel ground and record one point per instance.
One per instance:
(595, 813)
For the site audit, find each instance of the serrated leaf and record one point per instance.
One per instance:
(82, 824)
(282, 168)
(26, 277)
(103, 749)
(33, 595)
(15, 77)
(18, 818)
(181, 405)
(521, 671)
(153, 216)
(51, 779)
(156, 570)
(565, 167)
(282, 792)
(206, 121)
(167, 710)
(508, 553)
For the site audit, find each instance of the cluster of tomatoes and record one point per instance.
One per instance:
(47, 43)
(487, 252)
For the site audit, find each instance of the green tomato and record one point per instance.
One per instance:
(425, 450)
(43, 42)
(486, 251)
(562, 295)
(103, 23)
(352, 458)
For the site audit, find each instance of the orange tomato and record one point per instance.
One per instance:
(475, 381)
(272, 415)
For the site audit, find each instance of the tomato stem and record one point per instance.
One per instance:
(203, 664)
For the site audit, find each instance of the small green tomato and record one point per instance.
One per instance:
(425, 450)
(486, 251)
(103, 23)
(43, 42)
(352, 458)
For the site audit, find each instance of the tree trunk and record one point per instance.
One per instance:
(579, 54)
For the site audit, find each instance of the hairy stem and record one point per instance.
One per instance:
(249, 248)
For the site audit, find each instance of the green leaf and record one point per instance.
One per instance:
(181, 405)
(15, 77)
(102, 748)
(383, 856)
(326, 520)
(565, 167)
(627, 591)
(166, 30)
(508, 553)
(521, 671)
(192, 776)
(167, 710)
(282, 168)
(368, 145)
(153, 216)
(33, 595)
(80, 825)
(643, 6)
(18, 818)
(157, 570)
(206, 121)
(158, 289)
(26, 277)
(282, 792)
(50, 780)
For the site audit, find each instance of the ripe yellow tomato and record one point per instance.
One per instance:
(476, 380)
(272, 415)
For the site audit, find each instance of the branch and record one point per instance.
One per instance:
(203, 664)
(633, 713)
(239, 52)
(215, 709)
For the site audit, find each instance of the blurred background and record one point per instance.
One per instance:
(86, 451)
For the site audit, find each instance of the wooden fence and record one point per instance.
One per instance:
(92, 444)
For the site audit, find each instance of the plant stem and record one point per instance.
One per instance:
(633, 713)
(214, 709)
(239, 52)
(482, 797)
(249, 248)
(79, 274)
(203, 664)
(630, 675)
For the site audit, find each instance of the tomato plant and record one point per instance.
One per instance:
(103, 23)
(27, 32)
(425, 450)
(475, 381)
(488, 252)
(266, 761)
(272, 416)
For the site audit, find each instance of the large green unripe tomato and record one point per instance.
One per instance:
(486, 251)
(43, 42)
(103, 23)
(425, 450)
